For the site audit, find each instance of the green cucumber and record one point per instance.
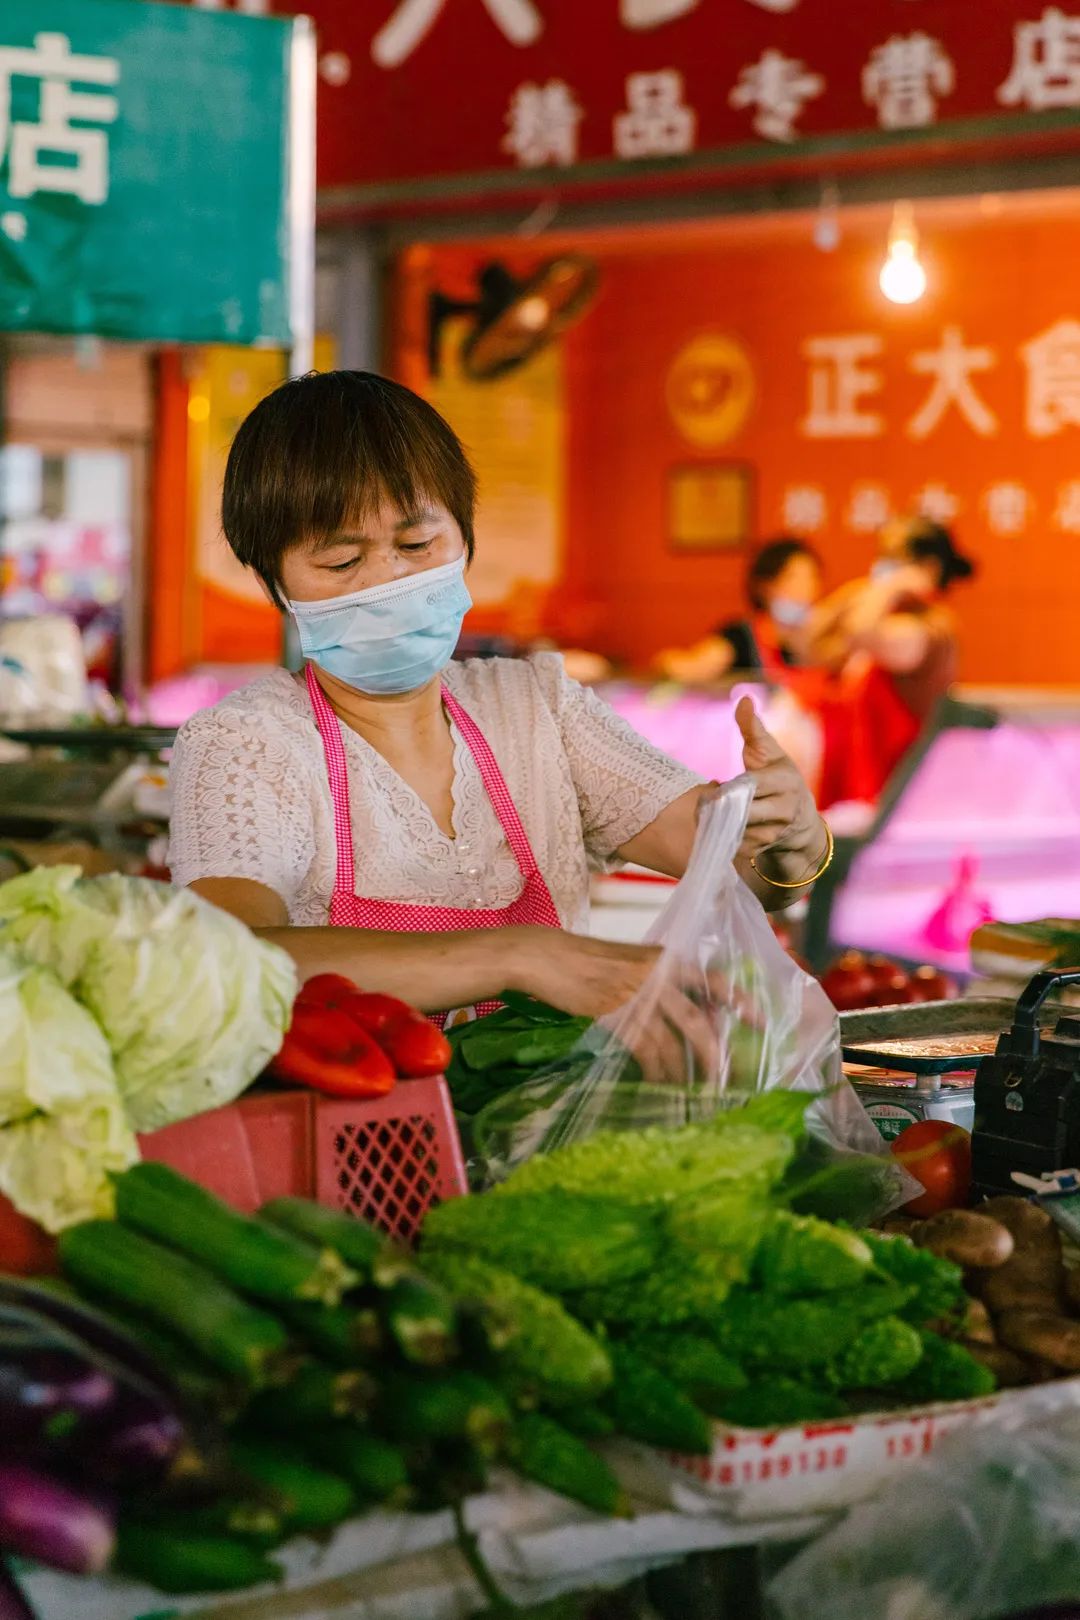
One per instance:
(544, 1451)
(345, 1334)
(254, 1256)
(422, 1321)
(369, 1253)
(374, 1467)
(456, 1405)
(315, 1394)
(108, 1262)
(310, 1498)
(193, 1563)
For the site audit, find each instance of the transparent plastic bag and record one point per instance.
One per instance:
(987, 1526)
(725, 1014)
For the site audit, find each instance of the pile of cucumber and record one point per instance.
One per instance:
(339, 1375)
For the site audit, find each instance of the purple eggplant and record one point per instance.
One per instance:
(129, 1439)
(57, 1304)
(13, 1604)
(139, 1442)
(49, 1394)
(53, 1524)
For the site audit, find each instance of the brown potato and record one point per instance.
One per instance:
(899, 1225)
(977, 1328)
(1020, 1290)
(1039, 1333)
(965, 1238)
(1010, 1370)
(1072, 1287)
(1034, 1279)
(1029, 1223)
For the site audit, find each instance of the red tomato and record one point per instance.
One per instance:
(325, 1050)
(416, 1047)
(937, 1153)
(375, 1012)
(930, 984)
(848, 983)
(882, 970)
(892, 989)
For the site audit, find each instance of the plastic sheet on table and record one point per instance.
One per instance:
(987, 1526)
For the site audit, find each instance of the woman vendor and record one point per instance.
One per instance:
(891, 643)
(423, 826)
(783, 583)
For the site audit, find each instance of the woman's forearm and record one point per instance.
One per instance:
(430, 971)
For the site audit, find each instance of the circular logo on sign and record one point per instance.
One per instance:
(891, 1119)
(710, 389)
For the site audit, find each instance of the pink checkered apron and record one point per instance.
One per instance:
(533, 906)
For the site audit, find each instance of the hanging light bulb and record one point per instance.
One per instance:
(903, 279)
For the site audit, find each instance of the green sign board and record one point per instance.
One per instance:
(153, 174)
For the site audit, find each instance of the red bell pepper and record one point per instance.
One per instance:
(376, 1013)
(416, 1048)
(327, 990)
(326, 1050)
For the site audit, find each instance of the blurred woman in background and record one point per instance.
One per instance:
(783, 584)
(890, 641)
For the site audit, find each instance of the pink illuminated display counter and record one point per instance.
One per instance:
(982, 820)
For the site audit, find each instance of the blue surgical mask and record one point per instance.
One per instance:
(790, 615)
(884, 568)
(389, 639)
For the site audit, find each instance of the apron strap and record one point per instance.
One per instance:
(492, 777)
(330, 731)
(495, 784)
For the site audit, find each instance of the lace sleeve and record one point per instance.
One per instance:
(622, 781)
(240, 804)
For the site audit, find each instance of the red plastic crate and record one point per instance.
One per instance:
(389, 1162)
(386, 1160)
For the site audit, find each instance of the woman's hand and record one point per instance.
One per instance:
(586, 977)
(783, 817)
(785, 835)
(674, 1032)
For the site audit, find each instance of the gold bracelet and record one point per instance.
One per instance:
(803, 883)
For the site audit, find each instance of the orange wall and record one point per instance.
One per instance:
(1003, 273)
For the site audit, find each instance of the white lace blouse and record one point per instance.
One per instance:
(251, 799)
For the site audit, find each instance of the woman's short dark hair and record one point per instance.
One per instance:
(927, 541)
(769, 564)
(325, 450)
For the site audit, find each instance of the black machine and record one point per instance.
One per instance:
(1027, 1094)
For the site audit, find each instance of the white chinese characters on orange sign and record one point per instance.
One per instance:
(1053, 379)
(869, 509)
(952, 366)
(1008, 506)
(805, 509)
(937, 502)
(840, 383)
